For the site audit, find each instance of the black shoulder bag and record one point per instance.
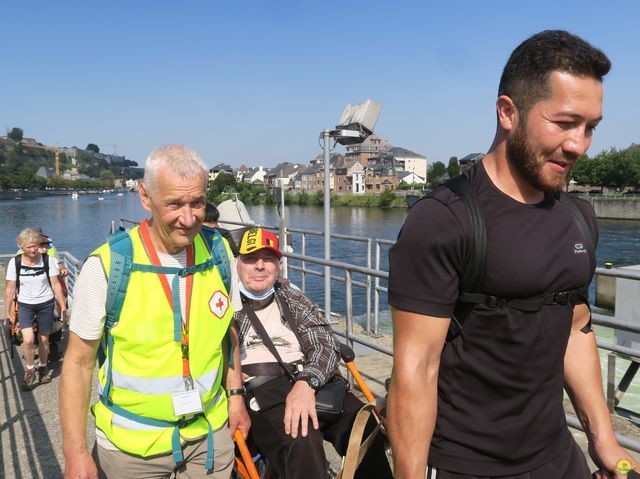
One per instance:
(330, 397)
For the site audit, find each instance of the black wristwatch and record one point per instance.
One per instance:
(311, 381)
(236, 392)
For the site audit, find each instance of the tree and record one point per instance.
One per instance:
(437, 172)
(16, 134)
(386, 198)
(223, 181)
(454, 167)
(93, 147)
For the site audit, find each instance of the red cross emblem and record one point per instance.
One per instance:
(219, 303)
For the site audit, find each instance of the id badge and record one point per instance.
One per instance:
(186, 402)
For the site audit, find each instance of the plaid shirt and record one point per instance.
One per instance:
(317, 342)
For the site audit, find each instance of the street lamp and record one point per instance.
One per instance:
(355, 126)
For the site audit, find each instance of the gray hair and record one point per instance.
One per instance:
(27, 236)
(180, 160)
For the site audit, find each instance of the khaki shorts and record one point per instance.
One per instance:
(121, 465)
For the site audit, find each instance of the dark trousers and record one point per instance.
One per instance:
(304, 457)
(567, 464)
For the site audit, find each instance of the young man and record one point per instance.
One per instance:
(284, 423)
(489, 402)
(162, 407)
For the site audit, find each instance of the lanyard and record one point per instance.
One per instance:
(153, 256)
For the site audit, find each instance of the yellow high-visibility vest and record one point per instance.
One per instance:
(147, 361)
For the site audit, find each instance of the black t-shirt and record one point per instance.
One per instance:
(500, 385)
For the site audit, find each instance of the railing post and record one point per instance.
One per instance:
(349, 302)
(611, 382)
(304, 253)
(376, 295)
(368, 300)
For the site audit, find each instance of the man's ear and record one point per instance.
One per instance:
(145, 200)
(508, 115)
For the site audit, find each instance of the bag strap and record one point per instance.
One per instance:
(357, 448)
(475, 265)
(266, 340)
(570, 204)
(213, 239)
(45, 264)
(119, 272)
(18, 263)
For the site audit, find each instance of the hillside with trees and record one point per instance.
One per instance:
(20, 162)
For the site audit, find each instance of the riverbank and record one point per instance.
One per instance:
(24, 194)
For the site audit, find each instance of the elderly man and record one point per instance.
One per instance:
(162, 407)
(278, 319)
(488, 403)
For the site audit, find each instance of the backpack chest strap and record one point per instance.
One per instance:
(530, 304)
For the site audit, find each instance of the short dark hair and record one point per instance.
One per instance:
(211, 213)
(525, 78)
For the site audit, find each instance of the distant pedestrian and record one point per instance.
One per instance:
(32, 281)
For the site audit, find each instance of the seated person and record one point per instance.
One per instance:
(287, 431)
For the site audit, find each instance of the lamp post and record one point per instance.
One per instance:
(326, 137)
(354, 126)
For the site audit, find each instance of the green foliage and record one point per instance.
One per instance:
(436, 172)
(16, 134)
(93, 147)
(91, 166)
(454, 167)
(386, 198)
(223, 182)
(19, 165)
(614, 169)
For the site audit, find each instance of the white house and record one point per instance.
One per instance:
(410, 178)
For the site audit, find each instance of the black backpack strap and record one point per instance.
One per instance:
(18, 263)
(570, 204)
(473, 273)
(45, 264)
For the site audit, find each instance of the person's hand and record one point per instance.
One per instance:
(238, 416)
(613, 461)
(80, 466)
(299, 408)
(63, 271)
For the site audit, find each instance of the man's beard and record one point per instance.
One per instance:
(525, 160)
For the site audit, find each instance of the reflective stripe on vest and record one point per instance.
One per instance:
(126, 423)
(202, 384)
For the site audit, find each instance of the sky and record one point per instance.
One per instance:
(255, 82)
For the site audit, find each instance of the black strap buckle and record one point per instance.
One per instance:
(495, 302)
(561, 297)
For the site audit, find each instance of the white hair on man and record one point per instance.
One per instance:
(180, 161)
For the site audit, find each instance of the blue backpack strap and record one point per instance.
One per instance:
(121, 260)
(119, 272)
(213, 240)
